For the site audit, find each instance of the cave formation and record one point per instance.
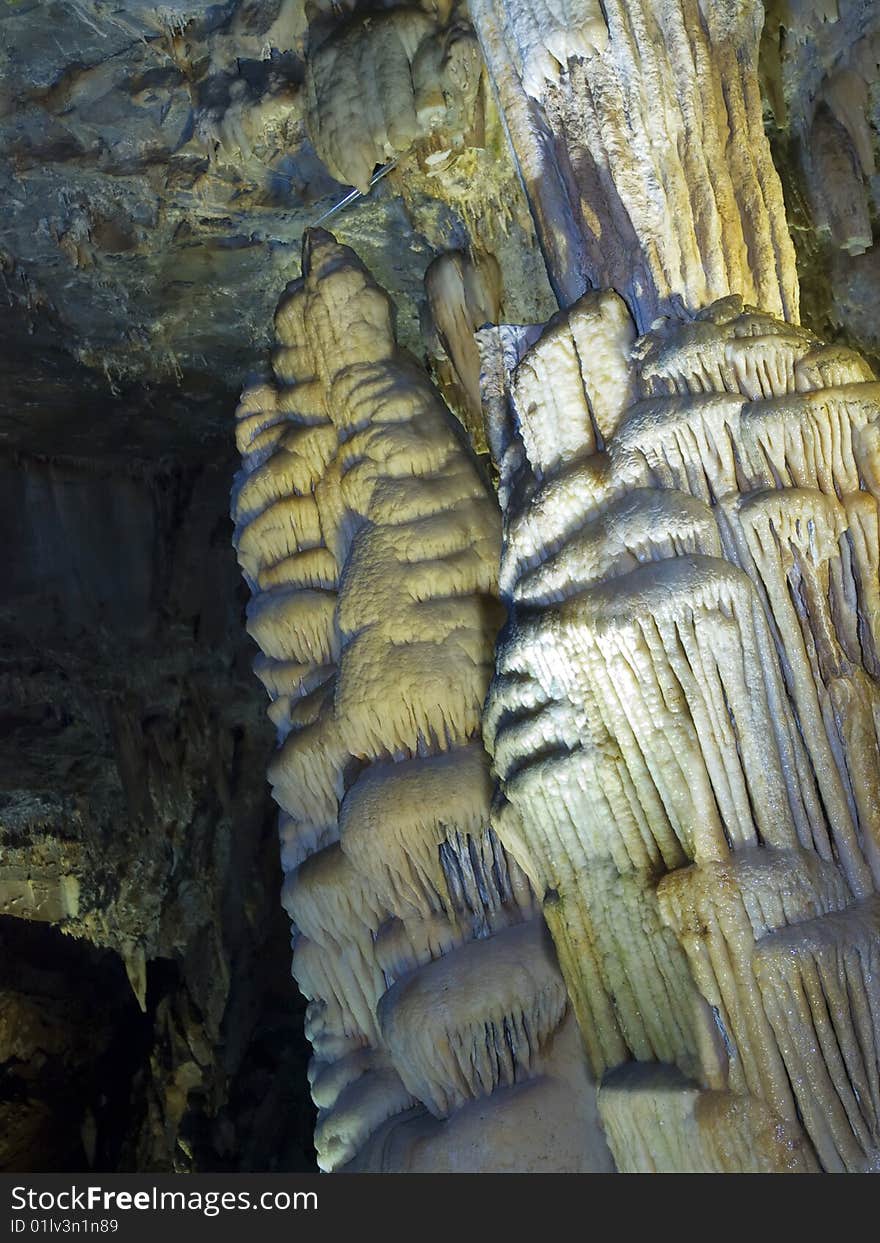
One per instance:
(554, 490)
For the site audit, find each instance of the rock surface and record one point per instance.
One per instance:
(147, 1020)
(158, 170)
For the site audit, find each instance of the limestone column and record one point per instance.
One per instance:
(684, 713)
(638, 129)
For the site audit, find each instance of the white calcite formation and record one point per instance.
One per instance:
(464, 294)
(544, 34)
(370, 543)
(379, 81)
(640, 138)
(685, 717)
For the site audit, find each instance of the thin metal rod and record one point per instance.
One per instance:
(356, 194)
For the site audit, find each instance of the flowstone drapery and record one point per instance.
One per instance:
(684, 716)
(684, 720)
(440, 1023)
(640, 136)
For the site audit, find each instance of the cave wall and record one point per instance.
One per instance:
(139, 878)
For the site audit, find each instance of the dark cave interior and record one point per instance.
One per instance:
(124, 668)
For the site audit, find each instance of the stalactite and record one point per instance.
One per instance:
(464, 294)
(379, 81)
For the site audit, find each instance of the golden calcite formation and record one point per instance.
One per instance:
(685, 717)
(381, 80)
(638, 128)
(370, 542)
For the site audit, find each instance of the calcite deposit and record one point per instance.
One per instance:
(683, 722)
(464, 293)
(380, 81)
(370, 542)
(642, 150)
(682, 714)
(556, 506)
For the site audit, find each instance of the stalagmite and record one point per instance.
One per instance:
(684, 722)
(370, 543)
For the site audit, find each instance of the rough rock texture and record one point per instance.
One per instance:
(145, 1017)
(157, 177)
(371, 544)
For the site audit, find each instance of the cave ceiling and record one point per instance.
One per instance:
(157, 177)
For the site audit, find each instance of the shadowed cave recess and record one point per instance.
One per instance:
(440, 633)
